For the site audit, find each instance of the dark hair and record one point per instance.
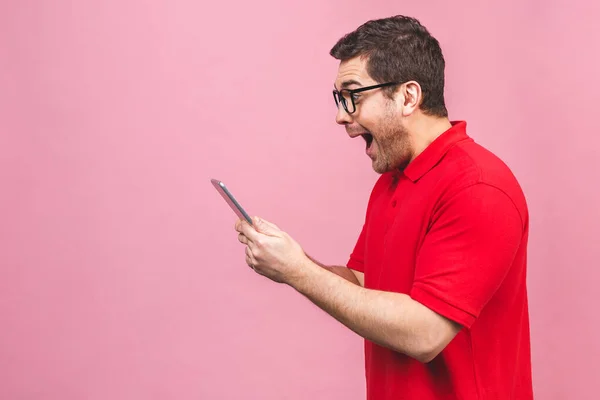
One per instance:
(399, 49)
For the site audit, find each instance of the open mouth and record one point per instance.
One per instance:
(368, 139)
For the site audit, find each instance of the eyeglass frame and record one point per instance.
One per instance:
(337, 95)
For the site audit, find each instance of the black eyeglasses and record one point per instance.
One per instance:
(346, 96)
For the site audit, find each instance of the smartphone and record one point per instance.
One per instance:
(233, 203)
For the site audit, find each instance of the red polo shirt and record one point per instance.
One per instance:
(451, 231)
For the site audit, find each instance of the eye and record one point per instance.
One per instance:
(355, 97)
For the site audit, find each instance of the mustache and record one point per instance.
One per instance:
(357, 131)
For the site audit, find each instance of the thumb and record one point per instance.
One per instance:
(265, 227)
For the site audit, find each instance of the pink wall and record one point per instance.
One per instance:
(121, 275)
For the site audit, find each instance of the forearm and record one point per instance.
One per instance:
(344, 272)
(389, 319)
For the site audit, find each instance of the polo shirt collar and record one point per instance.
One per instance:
(436, 150)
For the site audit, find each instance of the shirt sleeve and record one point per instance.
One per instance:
(356, 261)
(470, 246)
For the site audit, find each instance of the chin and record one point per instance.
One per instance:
(384, 167)
(381, 169)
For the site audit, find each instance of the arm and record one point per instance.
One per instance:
(356, 277)
(464, 258)
(392, 320)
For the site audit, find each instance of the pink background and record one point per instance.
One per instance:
(120, 273)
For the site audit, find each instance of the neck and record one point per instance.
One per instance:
(424, 130)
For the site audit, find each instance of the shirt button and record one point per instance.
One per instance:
(393, 203)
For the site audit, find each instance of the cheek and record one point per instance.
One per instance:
(371, 125)
(369, 114)
(379, 118)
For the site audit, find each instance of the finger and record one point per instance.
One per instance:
(250, 260)
(238, 225)
(266, 227)
(247, 230)
(269, 224)
(251, 251)
(243, 239)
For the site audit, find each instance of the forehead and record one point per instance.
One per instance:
(353, 71)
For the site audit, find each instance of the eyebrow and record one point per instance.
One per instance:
(350, 82)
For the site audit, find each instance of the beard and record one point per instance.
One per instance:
(390, 148)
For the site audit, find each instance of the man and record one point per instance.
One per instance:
(436, 283)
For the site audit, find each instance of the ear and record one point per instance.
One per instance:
(411, 97)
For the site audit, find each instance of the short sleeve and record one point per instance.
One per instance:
(356, 261)
(470, 246)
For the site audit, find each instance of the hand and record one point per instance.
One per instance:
(270, 251)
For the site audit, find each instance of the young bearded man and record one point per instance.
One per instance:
(436, 283)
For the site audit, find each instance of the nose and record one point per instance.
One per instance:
(342, 117)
